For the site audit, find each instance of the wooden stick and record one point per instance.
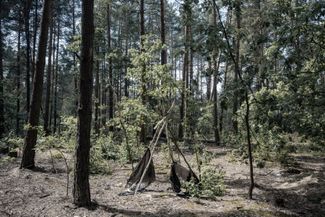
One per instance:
(153, 148)
(168, 143)
(179, 150)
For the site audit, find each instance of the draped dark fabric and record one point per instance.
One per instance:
(148, 178)
(177, 173)
(174, 180)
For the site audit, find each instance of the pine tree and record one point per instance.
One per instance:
(28, 158)
(81, 189)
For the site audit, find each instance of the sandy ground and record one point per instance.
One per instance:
(298, 191)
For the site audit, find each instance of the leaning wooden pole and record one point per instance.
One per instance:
(154, 144)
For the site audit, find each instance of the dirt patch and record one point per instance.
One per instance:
(43, 193)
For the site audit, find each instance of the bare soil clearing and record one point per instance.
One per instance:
(294, 191)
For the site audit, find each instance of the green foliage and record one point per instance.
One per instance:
(130, 116)
(109, 149)
(130, 152)
(205, 120)
(164, 149)
(97, 163)
(6, 159)
(211, 184)
(75, 44)
(12, 142)
(68, 132)
(146, 68)
(272, 119)
(66, 140)
(192, 189)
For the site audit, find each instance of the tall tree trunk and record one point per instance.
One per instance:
(81, 190)
(183, 108)
(18, 75)
(143, 82)
(110, 68)
(163, 32)
(182, 130)
(57, 71)
(191, 62)
(223, 101)
(216, 64)
(35, 28)
(2, 118)
(97, 123)
(215, 101)
(249, 146)
(209, 80)
(54, 51)
(48, 85)
(28, 6)
(258, 45)
(103, 91)
(28, 158)
(191, 71)
(237, 64)
(163, 59)
(126, 81)
(118, 82)
(75, 78)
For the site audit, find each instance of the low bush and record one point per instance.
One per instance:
(211, 184)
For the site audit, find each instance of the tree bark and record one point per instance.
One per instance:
(249, 144)
(48, 85)
(223, 101)
(258, 30)
(215, 101)
(103, 91)
(97, 123)
(126, 81)
(74, 59)
(53, 75)
(28, 6)
(2, 118)
(209, 81)
(216, 65)
(35, 28)
(182, 130)
(143, 82)
(110, 68)
(81, 190)
(163, 32)
(28, 158)
(18, 82)
(191, 63)
(237, 64)
(56, 76)
(247, 87)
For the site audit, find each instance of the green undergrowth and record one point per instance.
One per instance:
(211, 184)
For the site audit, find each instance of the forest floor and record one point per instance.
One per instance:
(297, 190)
